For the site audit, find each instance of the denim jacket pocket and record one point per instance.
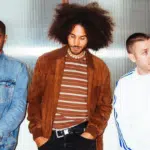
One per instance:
(6, 90)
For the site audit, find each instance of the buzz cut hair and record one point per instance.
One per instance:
(136, 37)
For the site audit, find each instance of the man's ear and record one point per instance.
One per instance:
(132, 57)
(6, 38)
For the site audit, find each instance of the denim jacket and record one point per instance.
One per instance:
(13, 92)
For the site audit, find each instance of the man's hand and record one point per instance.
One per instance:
(40, 141)
(87, 135)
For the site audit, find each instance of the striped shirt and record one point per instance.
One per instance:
(72, 102)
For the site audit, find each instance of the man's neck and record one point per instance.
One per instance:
(79, 56)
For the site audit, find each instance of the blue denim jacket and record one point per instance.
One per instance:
(13, 93)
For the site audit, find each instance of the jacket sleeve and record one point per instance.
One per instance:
(35, 94)
(119, 116)
(98, 119)
(111, 134)
(16, 112)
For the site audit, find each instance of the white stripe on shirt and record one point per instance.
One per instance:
(80, 87)
(75, 110)
(63, 121)
(72, 94)
(71, 70)
(77, 64)
(72, 102)
(69, 78)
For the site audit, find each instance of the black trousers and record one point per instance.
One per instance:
(71, 141)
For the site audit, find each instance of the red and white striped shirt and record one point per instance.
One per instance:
(72, 103)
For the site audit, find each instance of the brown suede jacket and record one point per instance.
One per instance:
(44, 92)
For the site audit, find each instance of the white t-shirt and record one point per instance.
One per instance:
(132, 111)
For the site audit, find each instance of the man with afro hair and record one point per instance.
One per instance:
(70, 95)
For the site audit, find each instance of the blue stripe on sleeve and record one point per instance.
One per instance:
(122, 141)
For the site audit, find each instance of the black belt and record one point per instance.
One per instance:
(74, 130)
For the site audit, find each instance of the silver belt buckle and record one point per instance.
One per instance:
(66, 131)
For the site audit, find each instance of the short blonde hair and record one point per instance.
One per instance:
(135, 38)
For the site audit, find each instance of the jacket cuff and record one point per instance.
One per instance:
(37, 133)
(92, 130)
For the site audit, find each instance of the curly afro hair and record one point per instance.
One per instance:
(96, 21)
